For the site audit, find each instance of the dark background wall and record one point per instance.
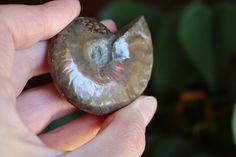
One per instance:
(91, 7)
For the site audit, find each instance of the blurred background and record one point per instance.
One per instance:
(194, 74)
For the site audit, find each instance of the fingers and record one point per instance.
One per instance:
(74, 134)
(30, 24)
(13, 131)
(38, 107)
(28, 63)
(110, 24)
(123, 133)
(32, 61)
(24, 25)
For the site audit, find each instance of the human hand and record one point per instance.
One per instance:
(24, 33)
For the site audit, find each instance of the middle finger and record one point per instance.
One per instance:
(39, 106)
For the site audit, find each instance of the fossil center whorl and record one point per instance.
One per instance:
(99, 52)
(98, 71)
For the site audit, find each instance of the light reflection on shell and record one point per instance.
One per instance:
(98, 71)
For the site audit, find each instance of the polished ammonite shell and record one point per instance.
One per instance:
(99, 71)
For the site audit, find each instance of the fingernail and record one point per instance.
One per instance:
(147, 107)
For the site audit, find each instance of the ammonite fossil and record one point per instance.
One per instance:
(99, 71)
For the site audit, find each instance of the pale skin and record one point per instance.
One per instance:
(23, 115)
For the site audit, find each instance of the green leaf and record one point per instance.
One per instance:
(123, 12)
(225, 15)
(172, 71)
(234, 124)
(195, 33)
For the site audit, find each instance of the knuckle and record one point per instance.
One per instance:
(137, 144)
(45, 22)
(134, 133)
(7, 92)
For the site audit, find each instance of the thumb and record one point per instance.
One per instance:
(123, 133)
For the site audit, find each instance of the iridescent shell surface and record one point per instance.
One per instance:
(99, 71)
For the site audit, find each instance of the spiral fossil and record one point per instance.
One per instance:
(99, 71)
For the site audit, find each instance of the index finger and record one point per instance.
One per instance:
(30, 24)
(24, 25)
